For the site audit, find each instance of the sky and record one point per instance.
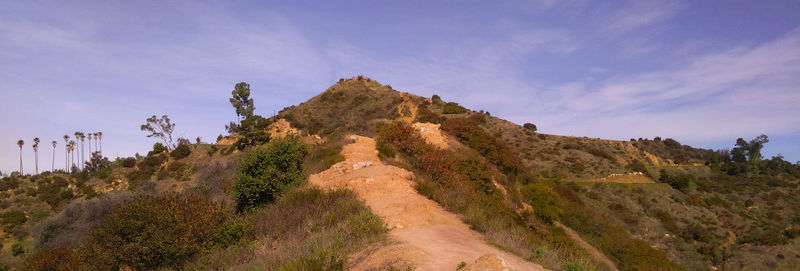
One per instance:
(701, 72)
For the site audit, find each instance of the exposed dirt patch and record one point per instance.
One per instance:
(281, 128)
(432, 134)
(429, 237)
(407, 109)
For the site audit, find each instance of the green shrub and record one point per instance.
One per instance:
(469, 131)
(266, 171)
(157, 148)
(66, 194)
(151, 163)
(385, 150)
(13, 218)
(322, 259)
(154, 232)
(453, 108)
(426, 115)
(127, 162)
(181, 151)
(545, 201)
(17, 249)
(9, 183)
(322, 157)
(212, 150)
(230, 232)
(677, 181)
(573, 266)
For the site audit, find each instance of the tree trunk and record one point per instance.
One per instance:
(20, 161)
(36, 159)
(54, 160)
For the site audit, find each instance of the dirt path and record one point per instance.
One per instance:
(429, 238)
(597, 254)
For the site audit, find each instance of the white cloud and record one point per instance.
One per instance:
(639, 14)
(741, 91)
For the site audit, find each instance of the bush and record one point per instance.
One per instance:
(212, 150)
(453, 108)
(17, 249)
(181, 151)
(426, 115)
(266, 171)
(157, 148)
(545, 201)
(73, 224)
(529, 126)
(385, 150)
(154, 232)
(469, 131)
(57, 258)
(677, 181)
(13, 218)
(128, 162)
(9, 183)
(322, 157)
(151, 163)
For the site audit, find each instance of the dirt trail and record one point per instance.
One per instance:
(429, 238)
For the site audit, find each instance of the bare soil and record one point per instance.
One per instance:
(428, 237)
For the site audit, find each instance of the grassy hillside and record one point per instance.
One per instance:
(683, 209)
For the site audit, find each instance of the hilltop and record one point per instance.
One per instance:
(364, 176)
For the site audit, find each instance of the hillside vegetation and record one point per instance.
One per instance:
(645, 204)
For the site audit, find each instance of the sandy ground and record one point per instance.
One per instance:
(428, 237)
(431, 133)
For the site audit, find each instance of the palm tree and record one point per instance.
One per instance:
(77, 138)
(95, 142)
(36, 153)
(66, 153)
(20, 143)
(83, 137)
(54, 155)
(99, 136)
(72, 154)
(90, 145)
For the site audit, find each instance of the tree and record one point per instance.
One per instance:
(79, 138)
(754, 154)
(739, 153)
(90, 143)
(36, 153)
(161, 128)
(241, 101)
(66, 153)
(20, 143)
(72, 156)
(54, 155)
(530, 126)
(99, 136)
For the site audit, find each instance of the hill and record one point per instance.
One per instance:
(361, 174)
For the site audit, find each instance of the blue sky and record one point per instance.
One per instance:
(701, 72)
